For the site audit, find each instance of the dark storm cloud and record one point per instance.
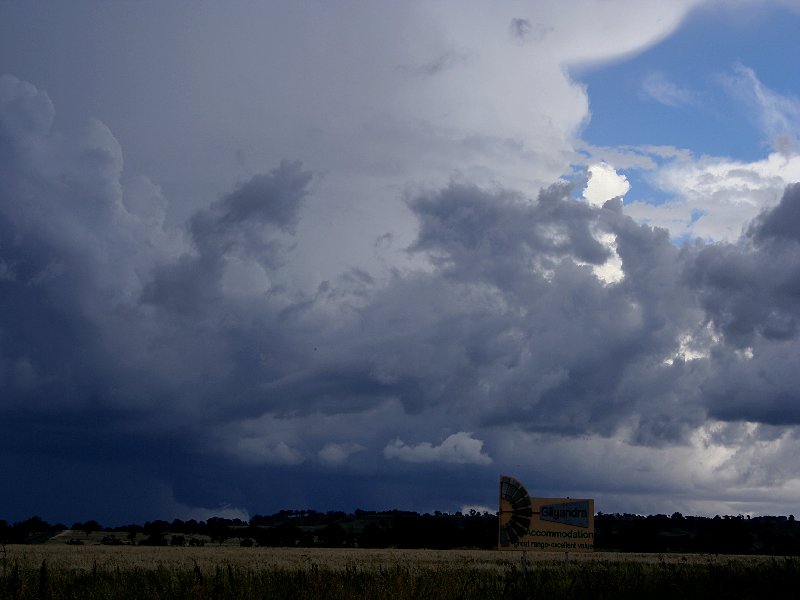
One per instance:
(465, 224)
(783, 221)
(752, 289)
(248, 223)
(514, 326)
(751, 293)
(53, 226)
(272, 198)
(189, 346)
(762, 389)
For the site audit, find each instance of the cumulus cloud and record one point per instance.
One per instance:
(460, 448)
(604, 184)
(715, 198)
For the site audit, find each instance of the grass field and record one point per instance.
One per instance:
(60, 571)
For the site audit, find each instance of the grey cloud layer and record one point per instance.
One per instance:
(191, 341)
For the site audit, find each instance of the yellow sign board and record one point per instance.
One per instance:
(543, 524)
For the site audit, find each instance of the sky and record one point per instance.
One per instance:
(337, 255)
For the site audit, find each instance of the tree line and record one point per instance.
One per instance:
(772, 535)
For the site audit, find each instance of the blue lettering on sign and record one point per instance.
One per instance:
(570, 513)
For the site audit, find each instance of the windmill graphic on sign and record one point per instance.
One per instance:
(515, 510)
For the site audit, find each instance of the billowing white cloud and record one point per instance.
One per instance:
(715, 198)
(460, 448)
(604, 183)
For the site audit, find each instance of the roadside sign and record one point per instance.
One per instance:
(543, 524)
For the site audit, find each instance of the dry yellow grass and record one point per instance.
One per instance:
(61, 556)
